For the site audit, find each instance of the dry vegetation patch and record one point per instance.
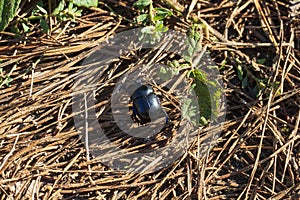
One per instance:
(256, 46)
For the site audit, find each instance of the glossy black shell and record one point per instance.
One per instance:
(145, 101)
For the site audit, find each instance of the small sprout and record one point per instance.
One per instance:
(161, 13)
(25, 28)
(240, 72)
(142, 18)
(141, 4)
(261, 61)
(42, 9)
(59, 8)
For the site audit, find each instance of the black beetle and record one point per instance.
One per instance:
(146, 103)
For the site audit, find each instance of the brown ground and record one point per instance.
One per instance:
(256, 156)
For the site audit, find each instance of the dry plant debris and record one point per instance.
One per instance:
(256, 156)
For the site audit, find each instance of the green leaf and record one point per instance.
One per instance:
(142, 18)
(240, 72)
(245, 82)
(194, 33)
(190, 51)
(59, 8)
(261, 61)
(15, 30)
(140, 4)
(8, 10)
(25, 28)
(187, 58)
(203, 121)
(42, 9)
(202, 92)
(70, 6)
(86, 3)
(189, 110)
(164, 73)
(208, 95)
(8, 80)
(256, 91)
(35, 11)
(175, 63)
(161, 13)
(78, 13)
(44, 26)
(192, 42)
(148, 29)
(160, 27)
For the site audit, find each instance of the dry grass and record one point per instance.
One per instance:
(256, 156)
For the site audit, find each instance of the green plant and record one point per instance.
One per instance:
(202, 85)
(193, 43)
(8, 9)
(208, 94)
(246, 76)
(189, 110)
(207, 90)
(64, 11)
(152, 18)
(6, 79)
(38, 13)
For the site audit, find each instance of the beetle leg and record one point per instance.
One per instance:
(167, 117)
(134, 113)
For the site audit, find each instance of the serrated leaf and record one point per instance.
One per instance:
(8, 10)
(190, 51)
(189, 110)
(192, 42)
(140, 4)
(86, 3)
(187, 58)
(164, 73)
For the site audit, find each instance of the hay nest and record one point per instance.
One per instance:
(43, 157)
